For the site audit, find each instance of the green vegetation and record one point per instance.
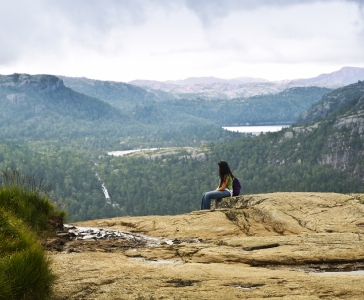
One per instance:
(24, 197)
(56, 112)
(331, 102)
(118, 94)
(158, 108)
(174, 184)
(40, 109)
(25, 271)
(282, 108)
(25, 212)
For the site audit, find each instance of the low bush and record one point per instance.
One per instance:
(25, 215)
(26, 199)
(25, 271)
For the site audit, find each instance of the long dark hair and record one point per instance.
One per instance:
(224, 170)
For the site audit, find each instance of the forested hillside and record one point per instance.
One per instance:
(70, 174)
(119, 94)
(163, 109)
(320, 157)
(338, 120)
(39, 108)
(174, 184)
(282, 108)
(332, 101)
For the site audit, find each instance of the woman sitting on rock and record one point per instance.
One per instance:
(225, 188)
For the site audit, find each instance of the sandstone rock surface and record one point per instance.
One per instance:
(249, 247)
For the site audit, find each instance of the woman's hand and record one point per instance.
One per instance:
(224, 184)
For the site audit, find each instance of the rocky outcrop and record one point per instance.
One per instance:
(345, 146)
(332, 101)
(19, 82)
(16, 98)
(253, 246)
(337, 121)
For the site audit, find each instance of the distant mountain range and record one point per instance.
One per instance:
(53, 107)
(217, 88)
(344, 76)
(158, 107)
(210, 80)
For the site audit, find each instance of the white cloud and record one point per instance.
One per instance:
(129, 39)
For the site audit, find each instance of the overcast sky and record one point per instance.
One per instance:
(122, 40)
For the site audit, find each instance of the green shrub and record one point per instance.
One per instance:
(27, 205)
(25, 271)
(25, 214)
(26, 199)
(13, 235)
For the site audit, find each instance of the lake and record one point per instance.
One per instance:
(256, 129)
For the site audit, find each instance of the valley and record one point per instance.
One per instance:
(62, 129)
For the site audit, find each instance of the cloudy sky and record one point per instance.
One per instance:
(122, 40)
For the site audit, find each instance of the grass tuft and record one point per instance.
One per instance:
(23, 197)
(25, 212)
(25, 271)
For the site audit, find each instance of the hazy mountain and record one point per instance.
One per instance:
(216, 88)
(281, 108)
(156, 85)
(41, 107)
(119, 94)
(277, 107)
(344, 76)
(245, 79)
(211, 80)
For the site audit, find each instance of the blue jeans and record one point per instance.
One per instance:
(213, 195)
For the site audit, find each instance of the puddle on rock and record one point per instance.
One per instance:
(75, 239)
(95, 233)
